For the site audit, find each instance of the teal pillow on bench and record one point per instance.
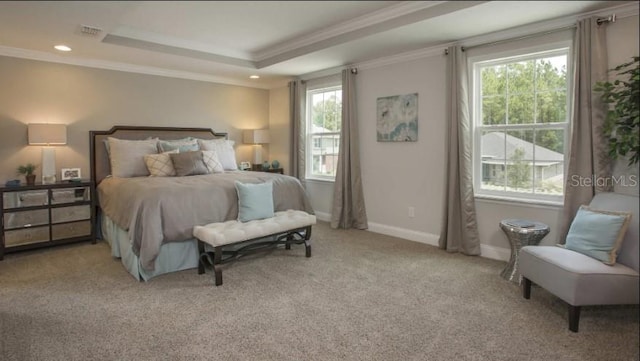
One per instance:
(255, 201)
(597, 234)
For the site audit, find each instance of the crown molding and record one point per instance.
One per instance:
(174, 50)
(404, 8)
(621, 11)
(404, 57)
(165, 40)
(373, 18)
(416, 14)
(379, 62)
(322, 73)
(130, 68)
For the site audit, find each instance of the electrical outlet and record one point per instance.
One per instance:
(412, 212)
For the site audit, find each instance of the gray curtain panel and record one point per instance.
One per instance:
(348, 198)
(459, 230)
(297, 99)
(588, 158)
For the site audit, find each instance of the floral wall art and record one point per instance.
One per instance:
(397, 118)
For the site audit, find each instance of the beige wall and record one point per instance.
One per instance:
(93, 99)
(397, 176)
(622, 39)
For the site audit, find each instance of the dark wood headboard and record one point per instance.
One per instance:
(100, 167)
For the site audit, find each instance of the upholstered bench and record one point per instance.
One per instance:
(285, 227)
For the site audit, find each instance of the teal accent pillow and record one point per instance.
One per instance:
(255, 201)
(182, 145)
(598, 234)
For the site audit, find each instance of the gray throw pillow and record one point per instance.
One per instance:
(188, 163)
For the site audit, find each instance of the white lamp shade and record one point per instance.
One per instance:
(47, 134)
(257, 136)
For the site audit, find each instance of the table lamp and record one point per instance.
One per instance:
(48, 135)
(257, 137)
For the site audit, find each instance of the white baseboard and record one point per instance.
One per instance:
(486, 251)
(493, 252)
(323, 216)
(416, 236)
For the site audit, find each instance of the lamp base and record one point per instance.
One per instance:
(48, 165)
(48, 179)
(257, 154)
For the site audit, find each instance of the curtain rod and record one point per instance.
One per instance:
(599, 21)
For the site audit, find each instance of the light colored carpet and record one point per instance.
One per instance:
(362, 296)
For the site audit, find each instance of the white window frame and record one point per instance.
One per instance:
(309, 135)
(475, 64)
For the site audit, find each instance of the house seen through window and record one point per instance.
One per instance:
(521, 110)
(324, 118)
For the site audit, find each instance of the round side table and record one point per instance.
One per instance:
(520, 233)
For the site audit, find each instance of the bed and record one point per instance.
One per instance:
(148, 220)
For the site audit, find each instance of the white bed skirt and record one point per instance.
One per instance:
(174, 256)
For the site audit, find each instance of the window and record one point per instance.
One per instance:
(324, 118)
(520, 112)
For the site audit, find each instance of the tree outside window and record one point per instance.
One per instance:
(324, 119)
(521, 123)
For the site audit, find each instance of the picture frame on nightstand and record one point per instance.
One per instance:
(70, 174)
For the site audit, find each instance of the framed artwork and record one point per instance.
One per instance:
(70, 173)
(397, 118)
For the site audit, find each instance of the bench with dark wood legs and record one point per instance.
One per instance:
(233, 239)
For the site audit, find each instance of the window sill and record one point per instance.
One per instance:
(529, 203)
(319, 180)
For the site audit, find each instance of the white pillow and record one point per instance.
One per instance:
(160, 165)
(212, 161)
(106, 143)
(127, 156)
(224, 150)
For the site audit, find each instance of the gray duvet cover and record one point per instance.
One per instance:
(156, 210)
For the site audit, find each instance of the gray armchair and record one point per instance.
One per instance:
(580, 280)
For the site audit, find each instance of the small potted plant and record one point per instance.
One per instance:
(27, 170)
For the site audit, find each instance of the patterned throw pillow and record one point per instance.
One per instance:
(160, 165)
(212, 162)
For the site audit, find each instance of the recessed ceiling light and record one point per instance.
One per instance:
(62, 48)
(254, 76)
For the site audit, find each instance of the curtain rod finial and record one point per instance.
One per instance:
(609, 19)
(354, 70)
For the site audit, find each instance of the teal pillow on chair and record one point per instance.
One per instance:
(255, 201)
(597, 234)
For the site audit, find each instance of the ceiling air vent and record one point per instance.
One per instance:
(89, 30)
